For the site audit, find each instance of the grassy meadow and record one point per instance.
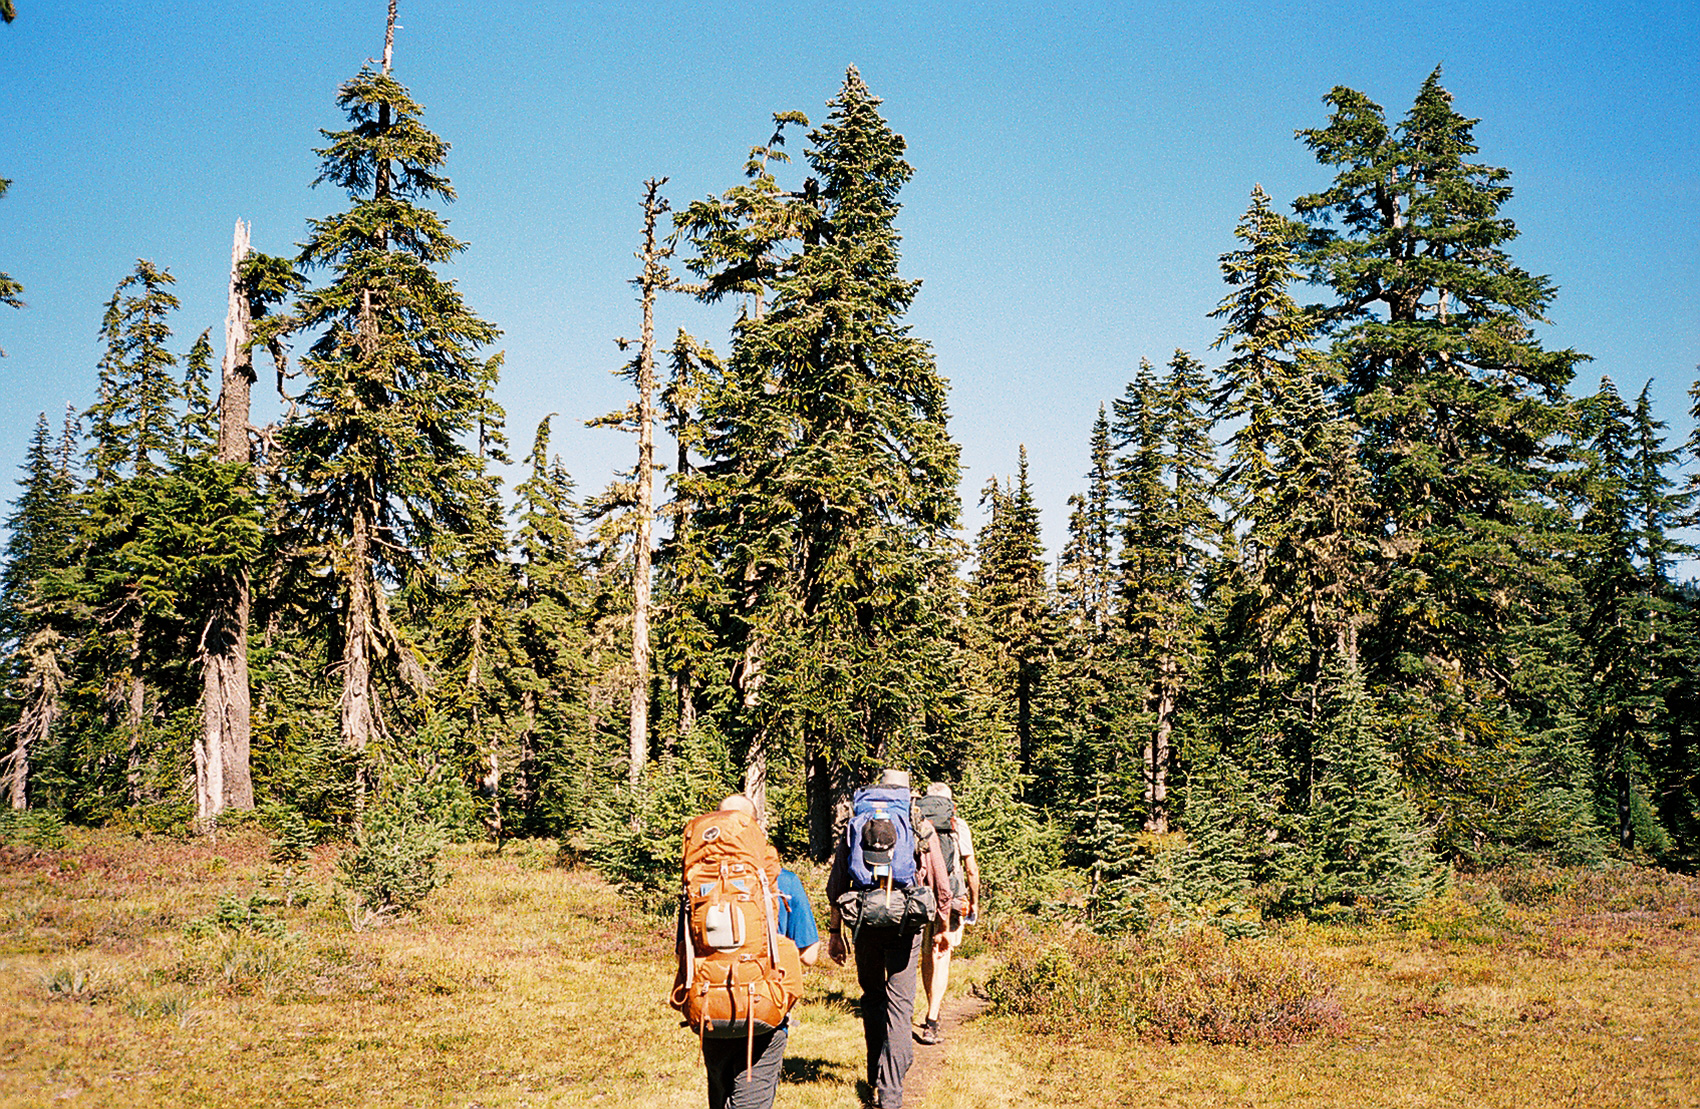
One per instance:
(141, 971)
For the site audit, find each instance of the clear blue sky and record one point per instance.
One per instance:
(1079, 168)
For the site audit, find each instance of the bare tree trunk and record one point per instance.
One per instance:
(41, 708)
(359, 715)
(18, 766)
(653, 278)
(755, 774)
(222, 775)
(817, 785)
(1157, 781)
(685, 695)
(749, 679)
(389, 37)
(135, 709)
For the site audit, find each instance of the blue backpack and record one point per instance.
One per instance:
(881, 838)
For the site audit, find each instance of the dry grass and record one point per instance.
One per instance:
(519, 984)
(1484, 1004)
(522, 984)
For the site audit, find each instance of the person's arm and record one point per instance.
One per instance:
(800, 920)
(836, 883)
(970, 861)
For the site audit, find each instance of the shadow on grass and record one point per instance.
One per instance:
(839, 1000)
(800, 1069)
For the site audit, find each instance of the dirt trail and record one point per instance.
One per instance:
(929, 1059)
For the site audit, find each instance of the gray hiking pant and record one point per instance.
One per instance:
(730, 1086)
(886, 960)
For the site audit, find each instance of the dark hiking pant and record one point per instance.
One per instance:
(886, 959)
(730, 1086)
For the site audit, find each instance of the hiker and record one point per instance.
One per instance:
(744, 1066)
(886, 879)
(944, 934)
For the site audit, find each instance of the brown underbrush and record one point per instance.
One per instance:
(1194, 986)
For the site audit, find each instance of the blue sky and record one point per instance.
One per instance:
(1079, 169)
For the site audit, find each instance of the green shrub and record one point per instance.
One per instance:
(634, 837)
(237, 915)
(174, 819)
(392, 865)
(292, 839)
(38, 828)
(1197, 986)
(1614, 889)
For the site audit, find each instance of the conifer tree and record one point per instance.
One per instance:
(546, 671)
(689, 580)
(1361, 845)
(1076, 713)
(1624, 566)
(36, 532)
(378, 455)
(31, 639)
(1009, 594)
(1456, 398)
(133, 424)
(1169, 529)
(1458, 405)
(471, 630)
(833, 476)
(1085, 570)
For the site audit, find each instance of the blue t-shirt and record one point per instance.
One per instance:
(796, 919)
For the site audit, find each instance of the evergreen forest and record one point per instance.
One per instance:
(1377, 590)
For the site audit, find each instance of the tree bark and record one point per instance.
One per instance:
(223, 778)
(41, 708)
(829, 789)
(359, 717)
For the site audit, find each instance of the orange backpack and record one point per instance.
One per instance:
(737, 975)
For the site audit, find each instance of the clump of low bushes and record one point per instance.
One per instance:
(32, 828)
(1608, 889)
(1197, 985)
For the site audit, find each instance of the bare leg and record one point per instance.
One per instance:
(935, 976)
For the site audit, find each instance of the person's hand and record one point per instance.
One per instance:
(835, 949)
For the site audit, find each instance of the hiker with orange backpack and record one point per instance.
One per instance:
(887, 879)
(746, 930)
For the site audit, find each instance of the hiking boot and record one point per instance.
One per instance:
(928, 1033)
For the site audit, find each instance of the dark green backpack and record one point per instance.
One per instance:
(941, 813)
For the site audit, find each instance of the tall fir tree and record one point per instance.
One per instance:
(379, 453)
(688, 580)
(133, 426)
(1624, 565)
(1009, 595)
(32, 628)
(554, 775)
(833, 480)
(1458, 403)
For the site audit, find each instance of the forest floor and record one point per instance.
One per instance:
(125, 980)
